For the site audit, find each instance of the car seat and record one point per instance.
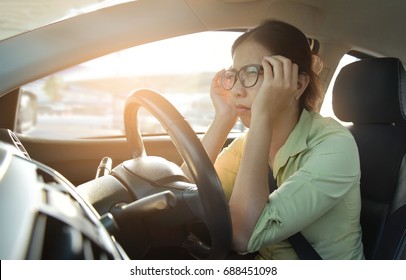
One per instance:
(371, 93)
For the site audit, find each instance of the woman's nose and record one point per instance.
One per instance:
(238, 90)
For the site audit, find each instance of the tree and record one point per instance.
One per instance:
(54, 88)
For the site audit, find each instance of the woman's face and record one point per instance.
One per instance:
(249, 52)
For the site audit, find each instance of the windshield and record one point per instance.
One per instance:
(23, 15)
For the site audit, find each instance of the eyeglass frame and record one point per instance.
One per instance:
(258, 67)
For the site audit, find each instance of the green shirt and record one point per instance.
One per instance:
(318, 172)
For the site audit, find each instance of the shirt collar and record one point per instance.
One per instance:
(296, 142)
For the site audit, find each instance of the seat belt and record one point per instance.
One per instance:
(302, 247)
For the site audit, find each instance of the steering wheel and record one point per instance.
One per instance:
(210, 193)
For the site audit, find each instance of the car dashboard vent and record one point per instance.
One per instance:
(7, 136)
(64, 228)
(19, 145)
(53, 239)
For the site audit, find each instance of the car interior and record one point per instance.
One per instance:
(126, 197)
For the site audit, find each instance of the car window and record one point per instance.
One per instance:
(88, 100)
(327, 107)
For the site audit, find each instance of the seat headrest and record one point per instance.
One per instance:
(371, 91)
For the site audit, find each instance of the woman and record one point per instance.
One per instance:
(272, 88)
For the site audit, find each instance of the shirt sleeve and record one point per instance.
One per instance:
(324, 175)
(227, 164)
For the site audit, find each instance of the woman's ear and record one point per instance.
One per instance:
(302, 83)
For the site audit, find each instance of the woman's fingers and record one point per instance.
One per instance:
(281, 69)
(216, 81)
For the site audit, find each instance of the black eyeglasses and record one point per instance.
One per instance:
(248, 76)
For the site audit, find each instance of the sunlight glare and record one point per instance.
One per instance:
(185, 59)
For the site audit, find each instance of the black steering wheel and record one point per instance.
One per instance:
(214, 206)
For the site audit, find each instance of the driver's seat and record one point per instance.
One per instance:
(371, 93)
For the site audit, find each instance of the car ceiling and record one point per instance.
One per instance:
(341, 25)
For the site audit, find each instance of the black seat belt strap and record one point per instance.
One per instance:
(302, 247)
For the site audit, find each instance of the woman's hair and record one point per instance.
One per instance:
(284, 39)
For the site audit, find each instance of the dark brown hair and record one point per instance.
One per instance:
(284, 39)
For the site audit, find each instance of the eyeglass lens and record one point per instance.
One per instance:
(248, 76)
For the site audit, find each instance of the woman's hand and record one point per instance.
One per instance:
(281, 88)
(224, 119)
(222, 100)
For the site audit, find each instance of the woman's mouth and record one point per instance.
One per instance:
(242, 109)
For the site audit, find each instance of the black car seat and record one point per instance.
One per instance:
(371, 93)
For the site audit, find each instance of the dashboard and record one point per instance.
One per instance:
(42, 216)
